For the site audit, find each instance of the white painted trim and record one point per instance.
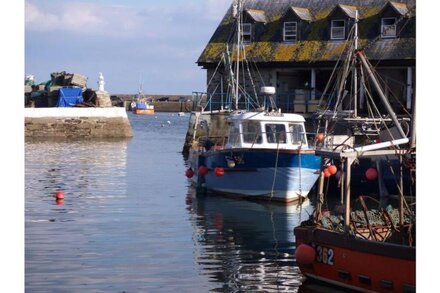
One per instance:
(331, 29)
(382, 28)
(290, 35)
(243, 34)
(113, 112)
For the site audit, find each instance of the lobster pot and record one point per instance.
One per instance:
(79, 80)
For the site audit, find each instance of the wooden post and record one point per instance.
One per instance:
(401, 220)
(320, 197)
(312, 83)
(347, 194)
(409, 89)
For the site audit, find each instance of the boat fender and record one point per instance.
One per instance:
(371, 174)
(305, 254)
(203, 170)
(219, 171)
(189, 173)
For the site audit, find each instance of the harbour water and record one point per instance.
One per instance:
(131, 222)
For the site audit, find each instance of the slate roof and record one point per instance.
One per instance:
(268, 47)
(399, 7)
(257, 15)
(302, 13)
(349, 10)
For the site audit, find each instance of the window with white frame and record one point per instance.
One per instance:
(290, 31)
(337, 30)
(246, 32)
(388, 27)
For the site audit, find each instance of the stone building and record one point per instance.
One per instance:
(294, 45)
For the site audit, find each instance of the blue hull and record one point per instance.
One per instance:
(261, 173)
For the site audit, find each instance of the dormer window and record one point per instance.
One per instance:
(337, 30)
(388, 27)
(246, 32)
(290, 31)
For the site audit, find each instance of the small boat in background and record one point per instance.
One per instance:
(140, 104)
(181, 114)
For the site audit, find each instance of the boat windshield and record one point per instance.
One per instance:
(297, 134)
(275, 133)
(251, 132)
(234, 135)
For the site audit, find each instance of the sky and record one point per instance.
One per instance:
(152, 42)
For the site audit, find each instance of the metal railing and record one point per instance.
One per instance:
(296, 101)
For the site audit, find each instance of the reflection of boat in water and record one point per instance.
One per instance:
(246, 245)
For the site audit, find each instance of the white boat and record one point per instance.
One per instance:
(265, 154)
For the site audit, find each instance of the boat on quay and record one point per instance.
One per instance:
(265, 154)
(367, 244)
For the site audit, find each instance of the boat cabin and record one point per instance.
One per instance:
(266, 130)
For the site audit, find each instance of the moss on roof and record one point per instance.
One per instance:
(269, 47)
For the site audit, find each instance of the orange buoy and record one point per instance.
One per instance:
(189, 173)
(59, 195)
(371, 174)
(203, 170)
(327, 173)
(59, 201)
(332, 169)
(219, 171)
(305, 254)
(320, 137)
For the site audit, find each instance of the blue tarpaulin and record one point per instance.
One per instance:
(69, 97)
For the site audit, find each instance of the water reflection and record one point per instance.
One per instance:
(246, 245)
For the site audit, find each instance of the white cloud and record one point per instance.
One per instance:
(83, 18)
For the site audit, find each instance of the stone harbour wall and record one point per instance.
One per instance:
(77, 123)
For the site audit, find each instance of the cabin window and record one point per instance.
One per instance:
(297, 134)
(234, 135)
(246, 32)
(388, 27)
(276, 133)
(338, 30)
(251, 132)
(290, 31)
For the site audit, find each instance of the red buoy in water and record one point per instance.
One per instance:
(305, 254)
(189, 173)
(59, 201)
(327, 173)
(203, 170)
(59, 195)
(332, 169)
(371, 174)
(219, 171)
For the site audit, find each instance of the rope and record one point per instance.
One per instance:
(275, 171)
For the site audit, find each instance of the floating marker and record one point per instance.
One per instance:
(59, 195)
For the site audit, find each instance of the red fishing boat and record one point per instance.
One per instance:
(366, 245)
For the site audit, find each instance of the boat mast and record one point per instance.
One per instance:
(381, 94)
(355, 78)
(237, 6)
